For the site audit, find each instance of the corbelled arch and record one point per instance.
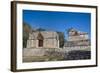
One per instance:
(40, 39)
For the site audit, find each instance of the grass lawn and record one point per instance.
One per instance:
(41, 58)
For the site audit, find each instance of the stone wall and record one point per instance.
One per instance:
(47, 43)
(33, 52)
(84, 48)
(50, 39)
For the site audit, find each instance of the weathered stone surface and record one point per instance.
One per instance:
(27, 52)
(77, 39)
(49, 39)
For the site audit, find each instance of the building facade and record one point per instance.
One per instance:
(77, 39)
(43, 39)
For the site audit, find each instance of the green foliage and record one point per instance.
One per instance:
(26, 30)
(61, 39)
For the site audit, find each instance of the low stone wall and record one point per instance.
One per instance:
(33, 52)
(42, 51)
(27, 52)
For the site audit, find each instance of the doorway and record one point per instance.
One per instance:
(40, 40)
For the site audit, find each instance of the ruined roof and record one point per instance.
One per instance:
(76, 32)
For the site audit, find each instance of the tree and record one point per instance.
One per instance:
(40, 29)
(26, 30)
(61, 39)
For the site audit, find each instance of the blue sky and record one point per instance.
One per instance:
(58, 21)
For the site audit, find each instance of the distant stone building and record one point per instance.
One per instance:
(77, 39)
(43, 39)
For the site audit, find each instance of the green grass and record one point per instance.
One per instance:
(41, 58)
